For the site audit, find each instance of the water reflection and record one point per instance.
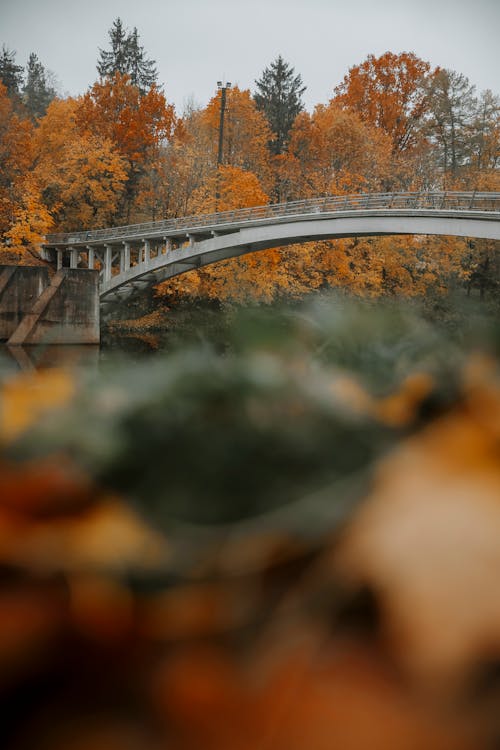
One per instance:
(27, 358)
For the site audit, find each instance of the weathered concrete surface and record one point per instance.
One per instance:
(20, 287)
(67, 311)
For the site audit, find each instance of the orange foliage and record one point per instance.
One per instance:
(333, 151)
(31, 220)
(227, 189)
(81, 175)
(437, 494)
(137, 125)
(389, 93)
(25, 399)
(403, 266)
(15, 161)
(246, 133)
(115, 109)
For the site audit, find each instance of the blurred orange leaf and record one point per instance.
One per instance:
(26, 397)
(105, 536)
(427, 541)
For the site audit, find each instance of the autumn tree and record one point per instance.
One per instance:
(481, 268)
(81, 175)
(187, 161)
(390, 92)
(92, 179)
(246, 133)
(31, 219)
(37, 93)
(24, 217)
(237, 187)
(279, 96)
(15, 159)
(127, 57)
(180, 166)
(136, 124)
(485, 147)
(189, 158)
(452, 106)
(335, 151)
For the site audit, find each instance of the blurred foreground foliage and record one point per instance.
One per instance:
(292, 546)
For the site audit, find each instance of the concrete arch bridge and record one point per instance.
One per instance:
(130, 258)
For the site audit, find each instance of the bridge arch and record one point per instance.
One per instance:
(137, 256)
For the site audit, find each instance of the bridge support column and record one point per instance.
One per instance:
(73, 258)
(168, 245)
(108, 260)
(59, 259)
(91, 257)
(126, 256)
(147, 253)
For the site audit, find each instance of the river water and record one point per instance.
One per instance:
(361, 331)
(185, 328)
(28, 358)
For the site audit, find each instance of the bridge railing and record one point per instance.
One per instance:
(470, 201)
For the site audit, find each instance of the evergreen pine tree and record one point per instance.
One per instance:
(279, 97)
(11, 74)
(116, 59)
(37, 93)
(126, 56)
(142, 71)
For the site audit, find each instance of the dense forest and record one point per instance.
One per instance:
(120, 153)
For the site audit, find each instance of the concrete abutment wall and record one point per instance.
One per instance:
(20, 287)
(64, 310)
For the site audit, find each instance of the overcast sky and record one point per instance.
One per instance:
(198, 42)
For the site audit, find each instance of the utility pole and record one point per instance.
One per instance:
(223, 89)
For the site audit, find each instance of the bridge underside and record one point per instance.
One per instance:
(200, 251)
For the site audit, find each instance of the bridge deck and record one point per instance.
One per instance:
(133, 256)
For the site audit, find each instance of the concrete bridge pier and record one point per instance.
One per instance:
(20, 287)
(37, 310)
